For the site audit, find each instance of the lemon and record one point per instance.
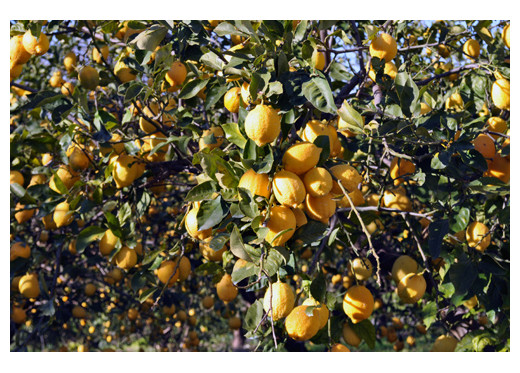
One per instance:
(500, 94)
(29, 285)
(320, 208)
(338, 347)
(455, 102)
(350, 336)
(411, 288)
(425, 108)
(89, 77)
(226, 290)
(323, 311)
(505, 35)
(318, 182)
(348, 176)
(301, 219)
(90, 289)
(443, 50)
(318, 59)
(165, 271)
(282, 300)
(396, 199)
(288, 188)
(56, 80)
(400, 167)
(66, 175)
(257, 184)
(499, 167)
(208, 302)
(384, 47)
(403, 266)
(96, 56)
(210, 254)
(232, 99)
(22, 215)
(79, 312)
(15, 71)
(126, 258)
(20, 250)
(16, 177)
(191, 225)
(361, 268)
(19, 315)
(471, 48)
(496, 124)
(35, 46)
(477, 236)
(205, 139)
(107, 243)
(315, 128)
(356, 196)
(444, 343)
(78, 158)
(485, 145)
(280, 219)
(123, 72)
(234, 323)
(262, 125)
(69, 61)
(184, 268)
(301, 157)
(300, 326)
(390, 70)
(18, 54)
(177, 74)
(62, 215)
(358, 303)
(126, 170)
(67, 89)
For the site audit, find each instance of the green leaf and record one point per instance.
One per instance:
(461, 220)
(408, 93)
(147, 294)
(311, 232)
(436, 232)
(138, 280)
(133, 91)
(323, 143)
(273, 262)
(236, 245)
(240, 273)
(17, 190)
(211, 213)
(150, 38)
(366, 331)
(351, 116)
(317, 91)
(253, 315)
(226, 28)
(462, 275)
(88, 235)
(233, 134)
(429, 313)
(193, 87)
(203, 191)
(319, 288)
(41, 98)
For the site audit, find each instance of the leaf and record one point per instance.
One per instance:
(193, 87)
(366, 331)
(429, 313)
(253, 315)
(138, 280)
(211, 213)
(47, 307)
(317, 91)
(311, 232)
(273, 262)
(133, 91)
(41, 98)
(242, 272)
(462, 275)
(213, 61)
(319, 288)
(202, 191)
(436, 232)
(461, 220)
(323, 143)
(234, 135)
(226, 28)
(17, 190)
(213, 95)
(351, 116)
(236, 245)
(150, 38)
(88, 235)
(408, 93)
(147, 294)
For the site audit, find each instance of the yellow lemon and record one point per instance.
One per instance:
(232, 99)
(126, 258)
(320, 208)
(89, 77)
(282, 297)
(18, 54)
(62, 215)
(348, 176)
(384, 47)
(400, 167)
(403, 266)
(300, 326)
(301, 157)
(477, 236)
(257, 184)
(29, 285)
(318, 182)
(280, 219)
(35, 46)
(411, 288)
(226, 290)
(471, 48)
(288, 188)
(205, 140)
(262, 125)
(500, 94)
(358, 303)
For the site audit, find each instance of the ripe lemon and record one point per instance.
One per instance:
(485, 145)
(205, 140)
(358, 303)
(400, 167)
(35, 46)
(348, 176)
(499, 167)
(301, 219)
(471, 48)
(350, 336)
(78, 158)
(22, 215)
(246, 95)
(56, 79)
(301, 157)
(283, 298)
(300, 326)
(320, 208)
(232, 99)
(396, 199)
(356, 196)
(69, 61)
(165, 271)
(280, 219)
(262, 125)
(288, 188)
(496, 124)
(505, 35)
(90, 290)
(107, 243)
(66, 175)
(210, 254)
(29, 286)
(123, 72)
(177, 74)
(257, 184)
(96, 56)
(455, 102)
(444, 51)
(384, 47)
(67, 89)
(191, 225)
(390, 70)
(362, 268)
(15, 71)
(226, 290)
(126, 258)
(471, 302)
(125, 171)
(338, 347)
(411, 288)
(20, 250)
(79, 312)
(89, 77)
(234, 323)
(323, 311)
(132, 314)
(318, 182)
(403, 266)
(208, 302)
(18, 54)
(184, 268)
(38, 179)
(318, 59)
(62, 215)
(19, 315)
(477, 236)
(500, 94)
(315, 128)
(16, 177)
(444, 343)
